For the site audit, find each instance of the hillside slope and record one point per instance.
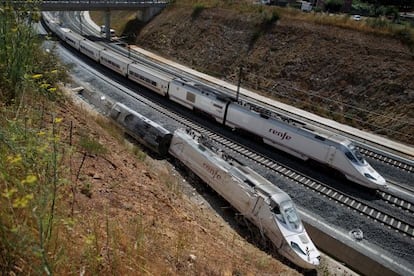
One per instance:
(359, 78)
(136, 215)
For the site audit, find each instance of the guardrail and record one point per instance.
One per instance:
(87, 5)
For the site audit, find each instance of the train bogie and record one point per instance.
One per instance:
(73, 39)
(145, 131)
(257, 199)
(115, 62)
(91, 49)
(197, 97)
(150, 78)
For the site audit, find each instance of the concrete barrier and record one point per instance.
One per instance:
(360, 256)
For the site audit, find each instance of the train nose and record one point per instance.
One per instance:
(315, 260)
(373, 176)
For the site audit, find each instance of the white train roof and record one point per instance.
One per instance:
(294, 125)
(203, 89)
(238, 170)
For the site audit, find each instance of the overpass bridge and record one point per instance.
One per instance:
(146, 8)
(87, 5)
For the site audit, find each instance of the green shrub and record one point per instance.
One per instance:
(269, 20)
(378, 23)
(406, 36)
(198, 8)
(333, 5)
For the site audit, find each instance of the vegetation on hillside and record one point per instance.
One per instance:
(29, 146)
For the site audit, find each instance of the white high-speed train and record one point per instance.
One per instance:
(257, 199)
(294, 137)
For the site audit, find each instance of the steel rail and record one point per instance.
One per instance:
(353, 203)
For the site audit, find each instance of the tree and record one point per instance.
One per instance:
(334, 5)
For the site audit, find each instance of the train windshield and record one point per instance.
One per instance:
(354, 155)
(289, 216)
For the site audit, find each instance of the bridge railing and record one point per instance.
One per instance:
(79, 5)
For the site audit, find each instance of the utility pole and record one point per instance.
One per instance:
(239, 82)
(80, 22)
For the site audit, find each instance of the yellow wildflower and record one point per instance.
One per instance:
(29, 179)
(9, 193)
(37, 76)
(58, 120)
(52, 89)
(44, 85)
(14, 159)
(23, 201)
(42, 149)
(89, 239)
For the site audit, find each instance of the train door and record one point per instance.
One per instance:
(257, 206)
(330, 156)
(257, 213)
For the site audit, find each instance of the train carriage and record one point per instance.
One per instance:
(61, 32)
(91, 49)
(150, 78)
(115, 62)
(198, 97)
(147, 132)
(73, 39)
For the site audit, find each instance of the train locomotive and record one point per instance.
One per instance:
(257, 199)
(276, 130)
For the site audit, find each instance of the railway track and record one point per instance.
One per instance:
(359, 206)
(399, 163)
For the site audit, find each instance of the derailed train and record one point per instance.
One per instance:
(287, 134)
(257, 199)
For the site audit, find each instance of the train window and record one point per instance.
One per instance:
(320, 137)
(291, 217)
(350, 156)
(248, 182)
(367, 175)
(129, 118)
(202, 148)
(276, 209)
(356, 153)
(190, 97)
(297, 247)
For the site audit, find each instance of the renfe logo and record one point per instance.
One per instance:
(280, 134)
(214, 173)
